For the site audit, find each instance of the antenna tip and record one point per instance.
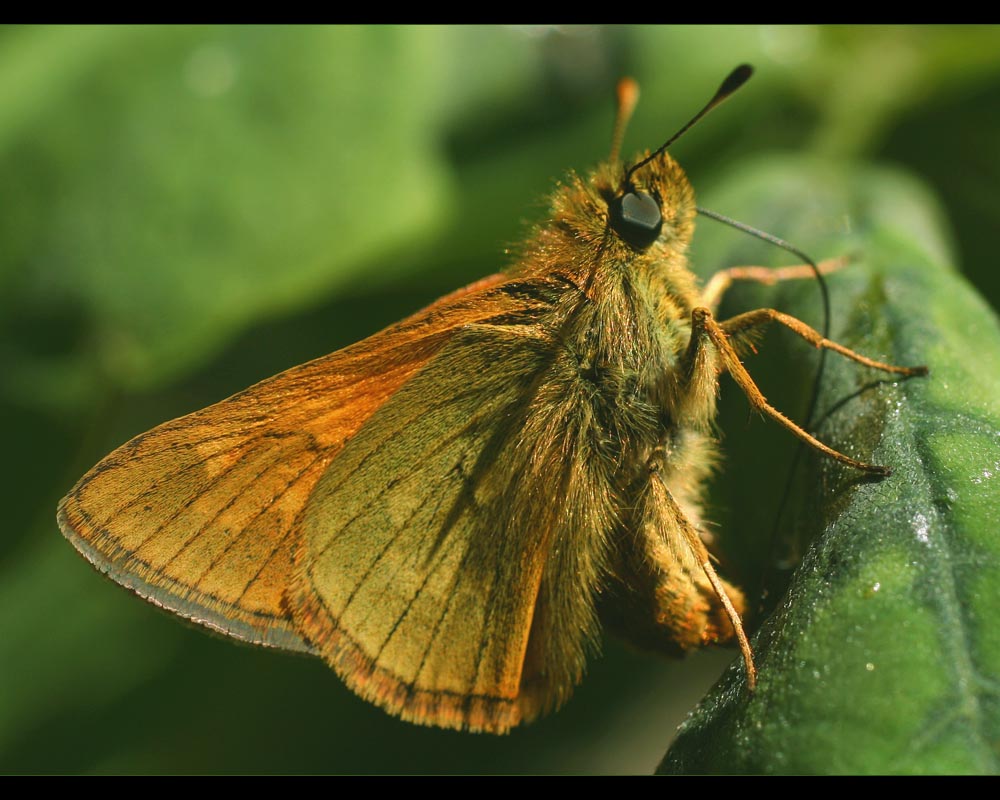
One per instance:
(628, 95)
(736, 79)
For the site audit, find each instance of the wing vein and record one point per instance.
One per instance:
(276, 548)
(263, 510)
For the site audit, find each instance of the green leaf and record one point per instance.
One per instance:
(169, 185)
(884, 654)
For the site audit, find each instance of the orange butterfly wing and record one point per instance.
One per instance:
(201, 514)
(409, 508)
(451, 553)
(416, 585)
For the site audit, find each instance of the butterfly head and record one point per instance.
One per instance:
(644, 203)
(653, 204)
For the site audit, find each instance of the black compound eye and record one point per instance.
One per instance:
(637, 219)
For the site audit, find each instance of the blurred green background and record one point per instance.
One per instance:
(189, 210)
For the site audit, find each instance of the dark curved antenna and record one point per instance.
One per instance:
(817, 382)
(768, 237)
(734, 81)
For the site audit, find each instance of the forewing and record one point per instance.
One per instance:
(201, 515)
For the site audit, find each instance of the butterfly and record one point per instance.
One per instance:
(448, 511)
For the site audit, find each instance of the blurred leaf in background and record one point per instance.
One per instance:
(188, 210)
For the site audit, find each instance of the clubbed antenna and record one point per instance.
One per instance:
(628, 97)
(734, 81)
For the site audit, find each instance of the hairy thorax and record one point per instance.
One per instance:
(626, 340)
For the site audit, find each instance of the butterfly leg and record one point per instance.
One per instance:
(705, 329)
(664, 594)
(720, 282)
(665, 499)
(762, 317)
